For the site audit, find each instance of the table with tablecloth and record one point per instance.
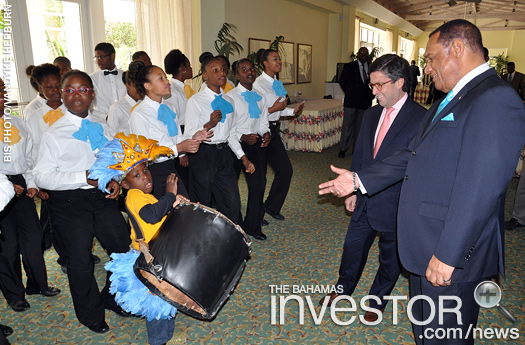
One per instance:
(317, 128)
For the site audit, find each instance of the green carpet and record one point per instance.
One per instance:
(303, 250)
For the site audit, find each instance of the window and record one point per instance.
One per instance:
(406, 48)
(55, 29)
(371, 38)
(120, 29)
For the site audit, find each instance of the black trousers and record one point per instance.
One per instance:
(256, 185)
(79, 216)
(426, 334)
(359, 239)
(352, 121)
(21, 234)
(159, 174)
(211, 172)
(281, 165)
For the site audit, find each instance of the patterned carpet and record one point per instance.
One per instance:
(304, 250)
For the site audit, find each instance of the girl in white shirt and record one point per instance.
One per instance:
(118, 117)
(154, 119)
(274, 93)
(251, 120)
(81, 211)
(211, 169)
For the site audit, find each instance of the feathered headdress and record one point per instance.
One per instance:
(120, 155)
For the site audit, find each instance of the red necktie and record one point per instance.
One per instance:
(383, 130)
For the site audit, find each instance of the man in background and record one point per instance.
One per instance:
(358, 97)
(515, 79)
(414, 73)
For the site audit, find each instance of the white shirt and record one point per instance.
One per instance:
(37, 126)
(118, 117)
(36, 103)
(108, 90)
(7, 191)
(19, 153)
(399, 104)
(62, 159)
(144, 121)
(263, 85)
(198, 114)
(243, 122)
(178, 100)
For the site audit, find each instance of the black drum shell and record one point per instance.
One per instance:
(202, 254)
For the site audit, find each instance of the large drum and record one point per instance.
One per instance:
(199, 256)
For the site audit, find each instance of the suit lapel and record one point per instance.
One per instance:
(446, 110)
(376, 115)
(400, 121)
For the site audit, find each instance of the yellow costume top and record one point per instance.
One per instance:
(135, 201)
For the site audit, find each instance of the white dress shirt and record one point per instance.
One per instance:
(243, 122)
(263, 85)
(37, 126)
(109, 89)
(178, 100)
(118, 117)
(62, 159)
(19, 154)
(144, 121)
(7, 191)
(29, 109)
(198, 114)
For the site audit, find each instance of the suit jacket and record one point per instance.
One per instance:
(357, 94)
(456, 172)
(414, 73)
(517, 83)
(381, 208)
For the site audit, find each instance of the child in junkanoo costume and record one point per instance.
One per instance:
(125, 159)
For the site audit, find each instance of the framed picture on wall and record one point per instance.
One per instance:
(304, 63)
(287, 74)
(254, 44)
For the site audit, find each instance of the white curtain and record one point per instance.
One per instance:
(410, 50)
(389, 38)
(163, 25)
(357, 39)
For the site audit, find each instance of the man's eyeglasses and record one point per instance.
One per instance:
(101, 57)
(379, 86)
(81, 91)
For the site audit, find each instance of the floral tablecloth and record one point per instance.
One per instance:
(318, 127)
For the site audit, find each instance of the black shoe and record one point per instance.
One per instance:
(119, 311)
(20, 305)
(264, 222)
(341, 154)
(6, 330)
(512, 224)
(50, 292)
(96, 259)
(260, 237)
(99, 327)
(277, 216)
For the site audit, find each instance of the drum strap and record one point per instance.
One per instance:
(139, 237)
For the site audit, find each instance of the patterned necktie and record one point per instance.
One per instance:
(252, 98)
(278, 87)
(383, 130)
(364, 75)
(92, 131)
(223, 105)
(52, 116)
(444, 103)
(167, 117)
(9, 133)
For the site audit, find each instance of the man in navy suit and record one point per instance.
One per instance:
(358, 97)
(387, 127)
(455, 174)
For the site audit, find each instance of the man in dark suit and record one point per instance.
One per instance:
(387, 127)
(515, 79)
(455, 174)
(414, 73)
(358, 97)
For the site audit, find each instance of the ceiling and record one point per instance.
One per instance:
(487, 14)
